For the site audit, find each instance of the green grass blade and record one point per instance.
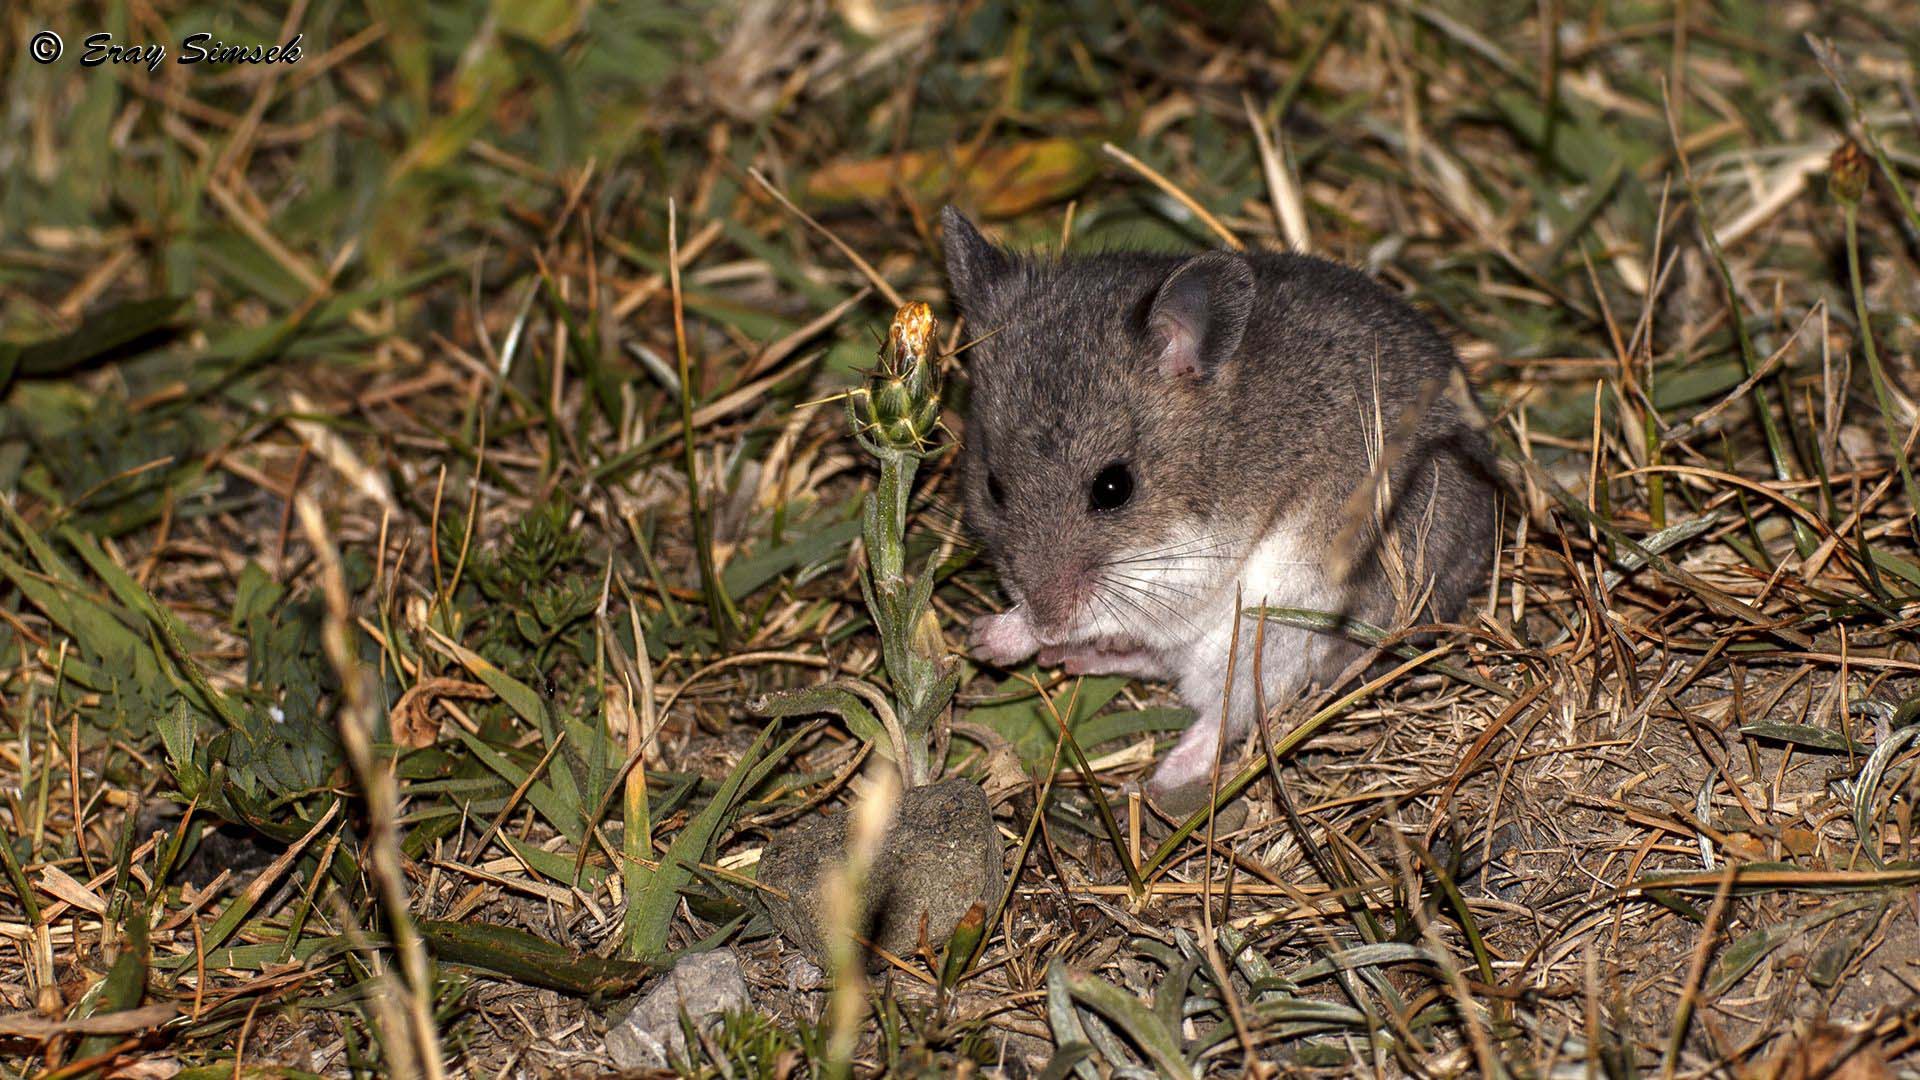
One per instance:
(650, 912)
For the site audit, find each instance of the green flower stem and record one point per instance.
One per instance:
(894, 417)
(892, 609)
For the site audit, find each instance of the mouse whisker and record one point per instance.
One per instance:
(1193, 542)
(1107, 606)
(1172, 562)
(1106, 591)
(1165, 553)
(1294, 562)
(1152, 620)
(1185, 573)
(1196, 548)
(1151, 579)
(1163, 604)
(1121, 589)
(1151, 583)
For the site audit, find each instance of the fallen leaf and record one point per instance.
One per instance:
(998, 182)
(1801, 842)
(412, 720)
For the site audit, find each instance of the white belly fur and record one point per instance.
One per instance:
(1285, 569)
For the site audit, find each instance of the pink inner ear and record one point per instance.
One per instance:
(1181, 353)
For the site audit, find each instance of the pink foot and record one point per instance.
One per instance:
(1003, 640)
(1189, 765)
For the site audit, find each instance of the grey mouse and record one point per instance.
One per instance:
(1151, 436)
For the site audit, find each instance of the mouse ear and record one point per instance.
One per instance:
(974, 264)
(1200, 313)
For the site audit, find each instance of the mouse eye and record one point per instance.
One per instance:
(994, 491)
(1111, 488)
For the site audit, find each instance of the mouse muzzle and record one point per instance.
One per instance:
(1054, 590)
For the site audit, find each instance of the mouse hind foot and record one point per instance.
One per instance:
(1189, 765)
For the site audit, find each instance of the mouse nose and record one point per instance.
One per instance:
(1054, 588)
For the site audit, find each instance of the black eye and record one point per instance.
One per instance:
(994, 491)
(1111, 488)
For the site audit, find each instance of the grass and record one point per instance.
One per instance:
(412, 475)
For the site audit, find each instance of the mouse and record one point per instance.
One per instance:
(1156, 443)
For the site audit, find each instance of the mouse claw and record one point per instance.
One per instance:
(1003, 640)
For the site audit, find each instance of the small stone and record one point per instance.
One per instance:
(801, 973)
(703, 986)
(941, 856)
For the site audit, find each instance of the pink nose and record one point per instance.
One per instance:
(1054, 596)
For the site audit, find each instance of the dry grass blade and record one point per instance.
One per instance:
(866, 269)
(357, 724)
(1174, 192)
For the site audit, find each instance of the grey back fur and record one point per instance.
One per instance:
(1065, 380)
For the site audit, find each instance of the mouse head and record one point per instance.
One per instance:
(1096, 473)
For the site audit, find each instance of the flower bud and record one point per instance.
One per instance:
(899, 407)
(1847, 173)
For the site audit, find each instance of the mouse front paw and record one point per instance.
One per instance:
(1003, 640)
